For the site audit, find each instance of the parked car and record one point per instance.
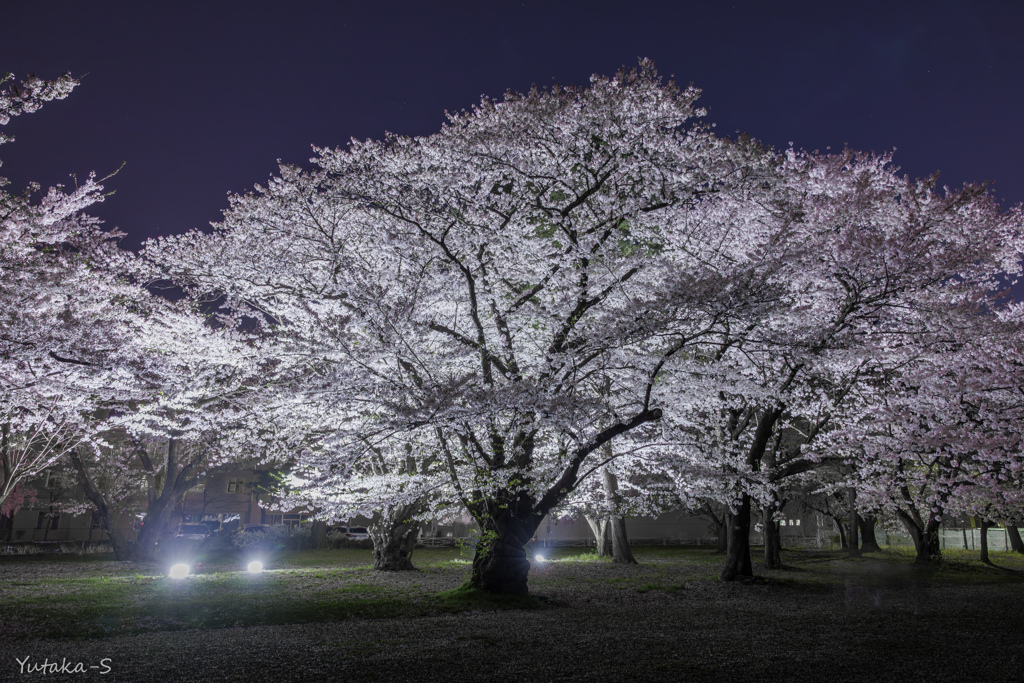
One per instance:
(192, 532)
(357, 533)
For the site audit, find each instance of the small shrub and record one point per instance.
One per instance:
(467, 546)
(299, 537)
(274, 538)
(336, 538)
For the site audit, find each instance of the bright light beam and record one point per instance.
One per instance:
(179, 571)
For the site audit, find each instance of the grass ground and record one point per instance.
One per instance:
(323, 614)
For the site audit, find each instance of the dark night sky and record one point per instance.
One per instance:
(200, 99)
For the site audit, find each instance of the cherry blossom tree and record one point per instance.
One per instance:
(565, 271)
(54, 298)
(879, 258)
(194, 412)
(945, 438)
(516, 290)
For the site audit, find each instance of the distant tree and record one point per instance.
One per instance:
(882, 267)
(946, 439)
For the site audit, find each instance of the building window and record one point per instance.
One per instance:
(235, 485)
(294, 519)
(54, 518)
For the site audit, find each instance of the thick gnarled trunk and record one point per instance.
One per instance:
(394, 533)
(500, 564)
(868, 540)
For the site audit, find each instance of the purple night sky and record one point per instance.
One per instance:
(201, 99)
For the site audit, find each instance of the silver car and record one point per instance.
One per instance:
(192, 532)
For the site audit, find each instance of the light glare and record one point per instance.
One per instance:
(539, 558)
(179, 571)
(255, 567)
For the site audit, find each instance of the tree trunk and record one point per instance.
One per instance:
(621, 552)
(983, 545)
(154, 529)
(772, 539)
(500, 564)
(737, 559)
(1015, 541)
(121, 546)
(720, 524)
(620, 542)
(723, 535)
(394, 533)
(926, 538)
(842, 532)
(602, 530)
(853, 543)
(869, 543)
(318, 535)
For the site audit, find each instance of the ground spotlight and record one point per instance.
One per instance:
(179, 571)
(255, 567)
(539, 558)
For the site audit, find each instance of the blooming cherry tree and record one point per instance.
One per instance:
(54, 299)
(567, 271)
(945, 438)
(515, 291)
